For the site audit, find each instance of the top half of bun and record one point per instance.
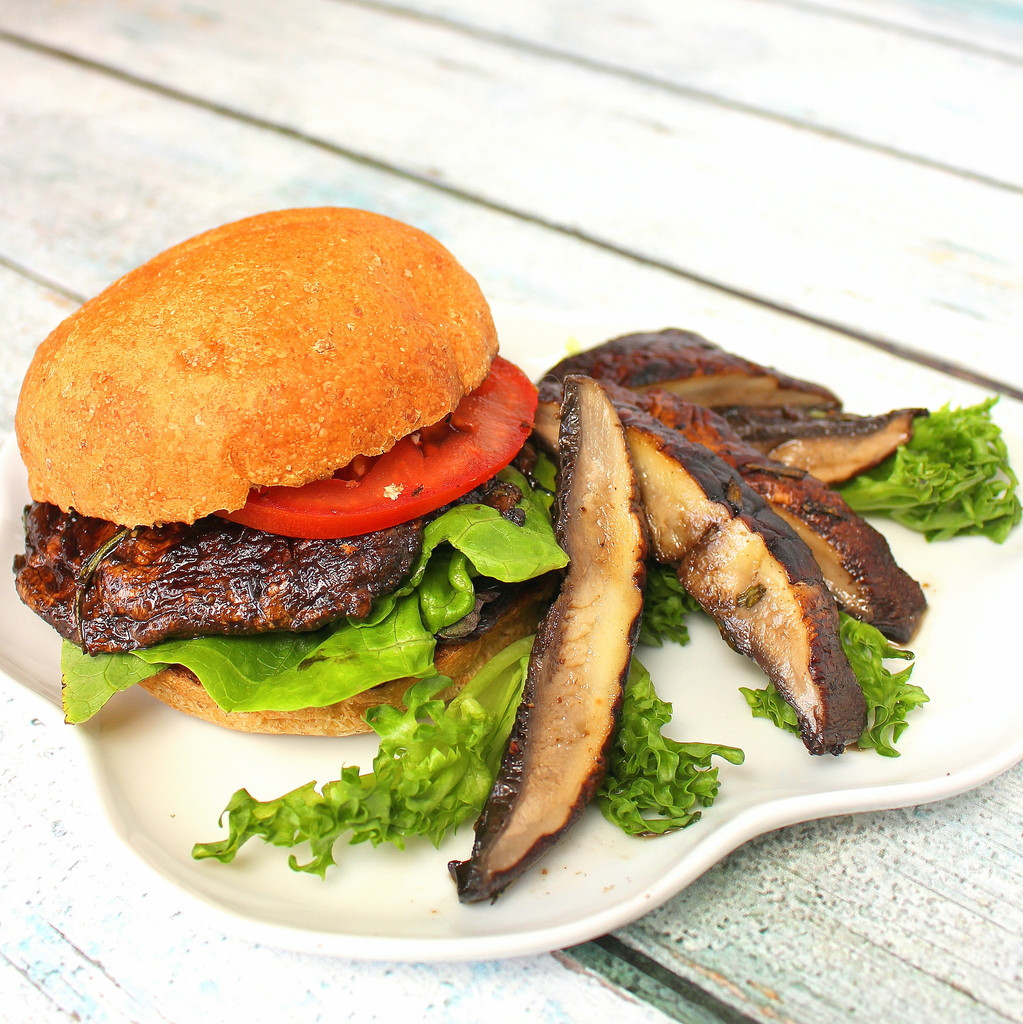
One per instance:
(269, 351)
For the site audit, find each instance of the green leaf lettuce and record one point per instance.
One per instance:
(890, 696)
(432, 772)
(952, 477)
(656, 784)
(666, 603)
(287, 671)
(436, 764)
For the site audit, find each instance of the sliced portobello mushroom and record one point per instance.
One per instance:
(752, 574)
(547, 421)
(689, 365)
(833, 446)
(556, 755)
(855, 559)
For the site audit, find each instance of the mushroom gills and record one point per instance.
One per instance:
(833, 446)
(752, 574)
(689, 365)
(855, 559)
(556, 754)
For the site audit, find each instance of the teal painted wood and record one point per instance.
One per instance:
(917, 910)
(816, 65)
(123, 173)
(829, 230)
(992, 26)
(30, 311)
(909, 915)
(87, 938)
(658, 985)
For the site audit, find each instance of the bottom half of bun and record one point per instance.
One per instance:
(460, 660)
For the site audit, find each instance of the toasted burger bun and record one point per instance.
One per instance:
(459, 660)
(269, 351)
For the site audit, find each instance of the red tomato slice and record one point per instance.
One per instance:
(420, 473)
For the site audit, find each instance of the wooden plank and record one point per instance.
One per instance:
(89, 936)
(30, 311)
(808, 922)
(808, 64)
(892, 250)
(625, 965)
(989, 26)
(122, 173)
(131, 173)
(60, 981)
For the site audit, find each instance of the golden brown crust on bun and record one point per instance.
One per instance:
(269, 351)
(459, 660)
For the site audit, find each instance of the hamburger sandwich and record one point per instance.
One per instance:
(272, 479)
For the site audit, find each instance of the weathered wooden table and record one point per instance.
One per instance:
(836, 172)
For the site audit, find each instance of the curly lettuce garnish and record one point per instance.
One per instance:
(666, 603)
(436, 764)
(890, 696)
(433, 771)
(655, 784)
(952, 478)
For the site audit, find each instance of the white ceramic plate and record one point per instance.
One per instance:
(162, 778)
